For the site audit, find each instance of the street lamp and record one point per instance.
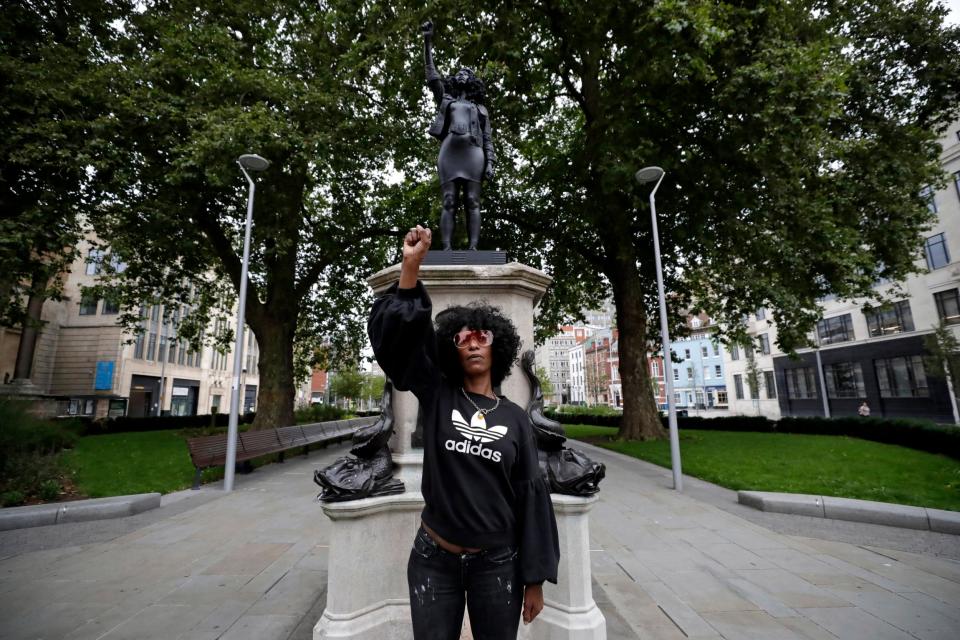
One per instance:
(247, 162)
(645, 176)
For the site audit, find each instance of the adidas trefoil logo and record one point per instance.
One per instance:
(478, 432)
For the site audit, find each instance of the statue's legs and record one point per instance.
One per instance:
(472, 197)
(447, 220)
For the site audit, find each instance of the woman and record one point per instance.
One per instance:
(488, 536)
(462, 125)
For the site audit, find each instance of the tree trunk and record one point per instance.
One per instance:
(641, 419)
(276, 392)
(23, 368)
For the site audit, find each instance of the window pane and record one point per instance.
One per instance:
(152, 346)
(844, 380)
(890, 319)
(764, 343)
(948, 305)
(837, 329)
(936, 251)
(770, 384)
(801, 383)
(110, 307)
(738, 386)
(902, 377)
(734, 352)
(717, 372)
(93, 262)
(88, 305)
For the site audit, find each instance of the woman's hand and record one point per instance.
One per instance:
(416, 244)
(532, 602)
(427, 29)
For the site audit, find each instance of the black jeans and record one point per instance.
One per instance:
(441, 582)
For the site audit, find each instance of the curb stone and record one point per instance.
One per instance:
(78, 511)
(891, 515)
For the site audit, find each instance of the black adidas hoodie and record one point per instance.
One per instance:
(481, 481)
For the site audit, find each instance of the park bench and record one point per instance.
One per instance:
(211, 451)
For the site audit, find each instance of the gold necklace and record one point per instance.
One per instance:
(483, 412)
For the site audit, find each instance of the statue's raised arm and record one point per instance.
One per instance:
(434, 81)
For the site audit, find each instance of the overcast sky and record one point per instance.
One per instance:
(954, 7)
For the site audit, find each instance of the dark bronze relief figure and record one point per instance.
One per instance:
(462, 125)
(370, 473)
(565, 470)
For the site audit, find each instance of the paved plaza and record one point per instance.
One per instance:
(252, 564)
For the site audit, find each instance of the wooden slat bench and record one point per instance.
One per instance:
(211, 451)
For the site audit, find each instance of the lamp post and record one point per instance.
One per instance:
(645, 176)
(247, 162)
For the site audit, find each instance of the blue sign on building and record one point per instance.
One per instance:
(104, 378)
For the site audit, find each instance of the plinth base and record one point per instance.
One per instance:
(367, 597)
(465, 257)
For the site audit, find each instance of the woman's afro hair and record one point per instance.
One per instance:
(505, 347)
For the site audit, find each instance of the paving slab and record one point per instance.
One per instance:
(666, 566)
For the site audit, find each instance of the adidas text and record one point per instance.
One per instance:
(464, 446)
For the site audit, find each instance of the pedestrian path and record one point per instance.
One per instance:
(252, 564)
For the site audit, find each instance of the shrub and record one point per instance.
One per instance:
(319, 413)
(49, 490)
(725, 423)
(922, 435)
(11, 498)
(128, 424)
(585, 417)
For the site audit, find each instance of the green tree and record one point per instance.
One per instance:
(796, 139)
(944, 359)
(310, 86)
(546, 386)
(347, 383)
(49, 53)
(373, 388)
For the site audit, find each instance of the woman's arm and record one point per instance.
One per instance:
(433, 78)
(401, 326)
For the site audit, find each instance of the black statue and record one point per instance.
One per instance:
(370, 473)
(566, 471)
(462, 125)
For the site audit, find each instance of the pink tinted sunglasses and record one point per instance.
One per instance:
(482, 337)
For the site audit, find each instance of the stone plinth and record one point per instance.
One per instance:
(367, 597)
(569, 611)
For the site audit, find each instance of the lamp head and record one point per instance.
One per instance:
(253, 162)
(649, 174)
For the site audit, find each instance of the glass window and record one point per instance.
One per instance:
(138, 347)
(761, 314)
(734, 352)
(936, 252)
(722, 397)
(838, 329)
(686, 354)
(676, 374)
(717, 372)
(948, 305)
(88, 304)
(801, 383)
(889, 319)
(927, 194)
(94, 258)
(844, 380)
(754, 388)
(902, 377)
(770, 384)
(110, 307)
(182, 356)
(716, 348)
(689, 373)
(655, 368)
(704, 352)
(764, 344)
(738, 386)
(706, 373)
(152, 346)
(695, 322)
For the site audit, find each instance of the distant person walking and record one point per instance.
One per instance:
(864, 410)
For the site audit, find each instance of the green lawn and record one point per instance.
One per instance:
(124, 463)
(794, 463)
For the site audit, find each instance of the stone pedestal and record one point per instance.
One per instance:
(370, 540)
(569, 611)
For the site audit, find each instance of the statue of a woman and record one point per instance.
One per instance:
(462, 125)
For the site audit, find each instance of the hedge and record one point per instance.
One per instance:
(922, 435)
(126, 424)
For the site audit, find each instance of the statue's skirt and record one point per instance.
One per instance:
(459, 158)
